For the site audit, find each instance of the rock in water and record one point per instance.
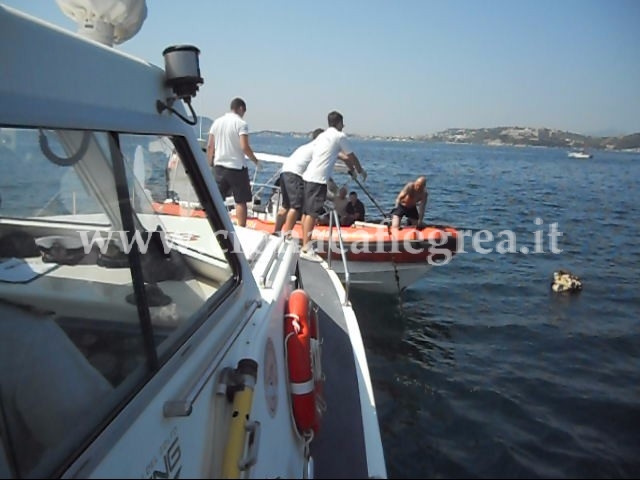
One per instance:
(564, 281)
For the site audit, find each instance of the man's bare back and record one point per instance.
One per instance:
(412, 194)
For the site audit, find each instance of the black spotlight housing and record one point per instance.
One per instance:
(182, 70)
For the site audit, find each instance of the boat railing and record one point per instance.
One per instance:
(258, 189)
(333, 218)
(54, 199)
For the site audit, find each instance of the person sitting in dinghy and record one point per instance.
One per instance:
(411, 202)
(354, 211)
(339, 202)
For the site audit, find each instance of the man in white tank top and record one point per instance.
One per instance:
(226, 149)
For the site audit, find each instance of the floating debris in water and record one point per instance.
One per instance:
(564, 281)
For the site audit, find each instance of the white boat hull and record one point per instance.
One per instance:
(381, 277)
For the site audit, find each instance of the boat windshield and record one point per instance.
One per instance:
(98, 286)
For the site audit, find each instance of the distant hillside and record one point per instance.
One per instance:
(204, 125)
(521, 136)
(543, 137)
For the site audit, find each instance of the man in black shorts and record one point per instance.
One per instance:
(233, 182)
(292, 185)
(226, 149)
(330, 144)
(411, 202)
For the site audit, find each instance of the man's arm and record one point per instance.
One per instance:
(353, 163)
(348, 162)
(423, 205)
(211, 149)
(332, 187)
(246, 148)
(403, 193)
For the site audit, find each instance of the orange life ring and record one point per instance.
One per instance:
(303, 361)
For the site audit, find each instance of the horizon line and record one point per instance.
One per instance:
(306, 132)
(293, 132)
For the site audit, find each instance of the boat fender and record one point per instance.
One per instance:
(302, 348)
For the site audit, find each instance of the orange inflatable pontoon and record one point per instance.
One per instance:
(363, 241)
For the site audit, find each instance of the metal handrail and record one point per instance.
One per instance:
(347, 278)
(262, 187)
(274, 189)
(269, 183)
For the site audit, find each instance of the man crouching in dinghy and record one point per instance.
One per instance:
(411, 202)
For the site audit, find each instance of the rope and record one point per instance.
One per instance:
(396, 274)
(386, 216)
(308, 438)
(295, 323)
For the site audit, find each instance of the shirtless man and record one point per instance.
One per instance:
(411, 202)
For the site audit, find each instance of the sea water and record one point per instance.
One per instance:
(479, 369)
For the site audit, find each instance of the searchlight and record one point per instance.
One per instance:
(182, 75)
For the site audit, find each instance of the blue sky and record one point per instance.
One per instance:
(404, 67)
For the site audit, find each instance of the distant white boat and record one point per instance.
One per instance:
(581, 154)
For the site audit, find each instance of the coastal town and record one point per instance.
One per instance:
(495, 136)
